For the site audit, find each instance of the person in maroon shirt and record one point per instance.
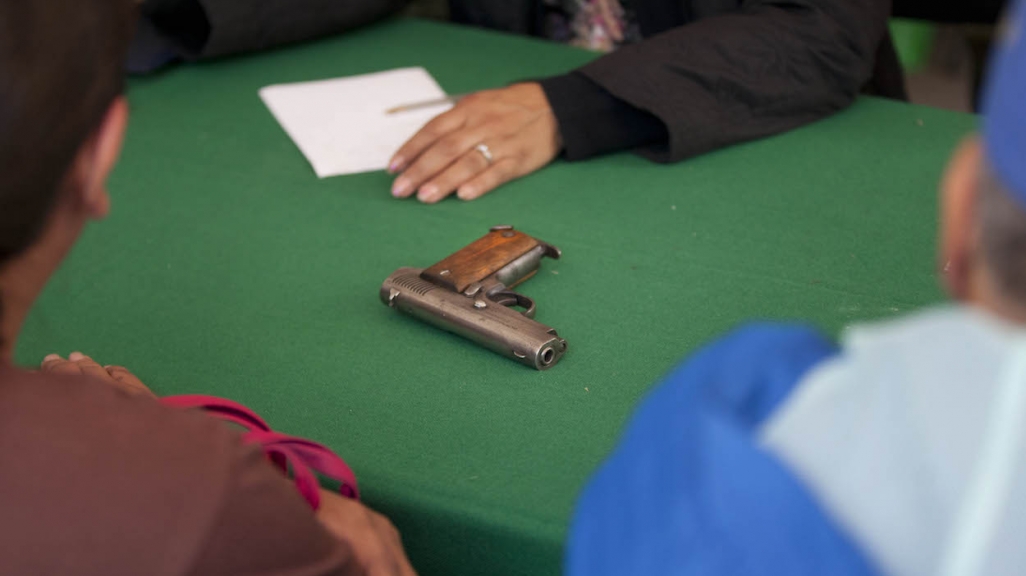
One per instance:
(96, 476)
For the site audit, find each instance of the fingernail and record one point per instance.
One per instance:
(51, 357)
(400, 187)
(76, 356)
(396, 164)
(427, 192)
(465, 193)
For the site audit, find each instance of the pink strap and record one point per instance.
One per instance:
(314, 455)
(290, 454)
(221, 407)
(305, 480)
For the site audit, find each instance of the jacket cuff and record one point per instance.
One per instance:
(592, 121)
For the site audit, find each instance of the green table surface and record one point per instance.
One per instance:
(227, 267)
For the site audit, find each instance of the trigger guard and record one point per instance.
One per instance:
(511, 299)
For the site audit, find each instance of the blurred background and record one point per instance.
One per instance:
(942, 45)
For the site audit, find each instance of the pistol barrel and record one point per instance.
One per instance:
(484, 321)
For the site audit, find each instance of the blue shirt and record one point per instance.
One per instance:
(689, 490)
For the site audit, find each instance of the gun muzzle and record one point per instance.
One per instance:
(476, 317)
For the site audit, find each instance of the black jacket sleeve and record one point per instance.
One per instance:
(592, 121)
(768, 67)
(209, 28)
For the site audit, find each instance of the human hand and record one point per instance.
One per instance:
(80, 364)
(376, 545)
(517, 126)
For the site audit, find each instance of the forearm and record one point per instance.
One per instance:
(244, 26)
(592, 121)
(209, 28)
(764, 69)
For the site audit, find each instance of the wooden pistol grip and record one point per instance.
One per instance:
(480, 259)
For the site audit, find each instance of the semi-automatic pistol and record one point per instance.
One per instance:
(470, 294)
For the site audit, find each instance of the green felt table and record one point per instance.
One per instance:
(227, 267)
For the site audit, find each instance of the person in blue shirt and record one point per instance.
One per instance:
(901, 451)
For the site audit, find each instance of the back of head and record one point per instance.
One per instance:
(1001, 196)
(1004, 125)
(61, 66)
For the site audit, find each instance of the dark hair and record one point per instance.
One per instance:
(61, 66)
(1002, 224)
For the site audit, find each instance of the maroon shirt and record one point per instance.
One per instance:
(94, 481)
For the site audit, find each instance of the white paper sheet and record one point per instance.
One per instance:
(341, 126)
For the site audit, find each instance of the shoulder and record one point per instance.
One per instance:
(749, 371)
(769, 342)
(688, 489)
(889, 434)
(71, 415)
(739, 379)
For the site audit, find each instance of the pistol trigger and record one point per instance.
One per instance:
(529, 308)
(512, 299)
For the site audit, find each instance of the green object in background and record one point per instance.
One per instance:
(913, 39)
(226, 267)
